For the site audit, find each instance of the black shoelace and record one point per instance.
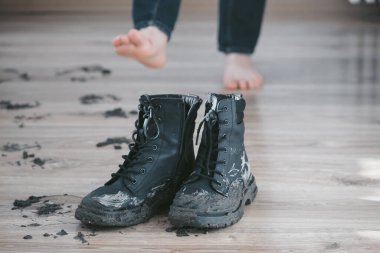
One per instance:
(141, 137)
(207, 163)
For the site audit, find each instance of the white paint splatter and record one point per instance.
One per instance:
(199, 193)
(233, 171)
(117, 200)
(245, 169)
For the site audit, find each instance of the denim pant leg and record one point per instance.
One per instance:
(160, 13)
(239, 25)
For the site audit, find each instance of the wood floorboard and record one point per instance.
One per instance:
(312, 132)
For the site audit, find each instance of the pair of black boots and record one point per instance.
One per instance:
(161, 170)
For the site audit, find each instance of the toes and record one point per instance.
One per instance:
(128, 50)
(135, 37)
(243, 85)
(124, 39)
(231, 85)
(120, 40)
(116, 42)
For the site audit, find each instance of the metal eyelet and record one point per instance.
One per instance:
(224, 135)
(134, 181)
(225, 108)
(159, 106)
(226, 122)
(224, 162)
(218, 183)
(154, 147)
(150, 159)
(159, 119)
(225, 149)
(142, 171)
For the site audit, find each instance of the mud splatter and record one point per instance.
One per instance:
(26, 155)
(11, 74)
(9, 105)
(27, 237)
(24, 203)
(11, 147)
(331, 246)
(62, 232)
(22, 118)
(133, 112)
(48, 208)
(93, 98)
(80, 237)
(114, 140)
(38, 161)
(186, 231)
(117, 112)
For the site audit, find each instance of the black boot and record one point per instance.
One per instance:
(221, 184)
(160, 159)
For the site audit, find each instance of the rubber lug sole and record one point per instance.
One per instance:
(183, 218)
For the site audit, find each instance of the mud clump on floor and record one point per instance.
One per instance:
(62, 232)
(38, 161)
(48, 208)
(9, 105)
(27, 237)
(80, 237)
(117, 112)
(133, 112)
(26, 155)
(24, 203)
(112, 141)
(186, 231)
(93, 98)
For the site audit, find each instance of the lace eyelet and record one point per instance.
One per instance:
(224, 135)
(219, 184)
(225, 108)
(225, 150)
(150, 159)
(159, 119)
(154, 147)
(142, 171)
(134, 181)
(224, 162)
(159, 106)
(226, 122)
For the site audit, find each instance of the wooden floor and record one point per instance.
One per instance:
(312, 133)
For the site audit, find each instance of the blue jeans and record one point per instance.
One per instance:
(239, 21)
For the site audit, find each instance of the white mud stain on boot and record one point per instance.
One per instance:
(245, 169)
(117, 200)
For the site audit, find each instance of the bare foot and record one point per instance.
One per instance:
(148, 46)
(239, 73)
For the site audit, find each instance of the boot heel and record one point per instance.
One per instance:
(251, 194)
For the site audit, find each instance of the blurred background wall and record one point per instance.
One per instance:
(124, 5)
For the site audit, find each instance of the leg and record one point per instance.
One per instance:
(154, 22)
(239, 29)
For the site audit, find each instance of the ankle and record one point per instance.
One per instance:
(154, 33)
(233, 57)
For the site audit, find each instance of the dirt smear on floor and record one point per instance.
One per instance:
(114, 140)
(187, 231)
(94, 99)
(10, 105)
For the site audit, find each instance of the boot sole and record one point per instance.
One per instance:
(121, 218)
(190, 218)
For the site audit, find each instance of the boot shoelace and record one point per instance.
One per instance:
(208, 160)
(141, 137)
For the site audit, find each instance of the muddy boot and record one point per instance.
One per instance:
(160, 159)
(221, 185)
